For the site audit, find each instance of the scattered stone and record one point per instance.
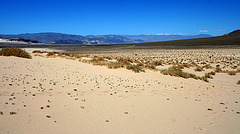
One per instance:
(48, 106)
(1, 112)
(238, 112)
(125, 112)
(41, 107)
(12, 113)
(48, 116)
(222, 103)
(107, 120)
(209, 109)
(75, 89)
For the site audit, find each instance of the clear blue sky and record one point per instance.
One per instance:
(99, 17)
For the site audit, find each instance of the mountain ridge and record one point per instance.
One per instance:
(61, 38)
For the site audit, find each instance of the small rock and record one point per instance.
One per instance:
(48, 116)
(209, 109)
(11, 113)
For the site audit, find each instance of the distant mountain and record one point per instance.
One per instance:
(60, 38)
(155, 38)
(230, 39)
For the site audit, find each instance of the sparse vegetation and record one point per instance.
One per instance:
(115, 65)
(135, 68)
(199, 69)
(18, 52)
(177, 71)
(238, 82)
(231, 72)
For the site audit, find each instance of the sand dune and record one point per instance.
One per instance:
(56, 95)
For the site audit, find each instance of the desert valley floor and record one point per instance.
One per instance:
(61, 95)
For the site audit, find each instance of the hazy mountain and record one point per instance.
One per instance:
(60, 38)
(155, 38)
(64, 38)
(230, 39)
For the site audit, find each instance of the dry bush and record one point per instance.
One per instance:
(177, 71)
(157, 63)
(238, 82)
(231, 72)
(52, 53)
(208, 75)
(218, 69)
(36, 51)
(207, 66)
(186, 65)
(150, 66)
(199, 69)
(115, 65)
(99, 63)
(212, 73)
(140, 64)
(126, 61)
(238, 70)
(18, 52)
(135, 68)
(108, 58)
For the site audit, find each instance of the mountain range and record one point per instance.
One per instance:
(60, 38)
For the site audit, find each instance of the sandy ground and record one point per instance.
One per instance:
(55, 95)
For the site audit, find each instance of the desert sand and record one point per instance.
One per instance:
(58, 96)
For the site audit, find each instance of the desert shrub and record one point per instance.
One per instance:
(238, 70)
(238, 82)
(212, 73)
(208, 75)
(218, 69)
(207, 66)
(115, 65)
(157, 63)
(52, 53)
(140, 64)
(126, 61)
(185, 65)
(231, 72)
(37, 51)
(108, 58)
(199, 69)
(18, 52)
(177, 71)
(135, 68)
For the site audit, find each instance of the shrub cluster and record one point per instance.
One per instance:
(18, 52)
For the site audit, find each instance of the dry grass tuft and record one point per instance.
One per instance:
(18, 52)
(38, 51)
(52, 53)
(238, 82)
(135, 68)
(200, 69)
(231, 72)
(115, 65)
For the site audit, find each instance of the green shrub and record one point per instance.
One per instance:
(18, 52)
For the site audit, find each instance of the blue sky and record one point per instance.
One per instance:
(100, 17)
